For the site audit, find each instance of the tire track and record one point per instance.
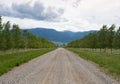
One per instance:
(57, 67)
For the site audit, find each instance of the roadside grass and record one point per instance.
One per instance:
(8, 61)
(110, 63)
(11, 51)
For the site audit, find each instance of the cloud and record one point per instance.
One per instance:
(38, 11)
(75, 15)
(76, 3)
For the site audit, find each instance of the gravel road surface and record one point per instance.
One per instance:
(57, 67)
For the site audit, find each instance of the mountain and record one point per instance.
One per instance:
(58, 36)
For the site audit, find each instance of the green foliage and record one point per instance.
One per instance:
(110, 35)
(8, 36)
(103, 39)
(11, 38)
(16, 34)
(116, 39)
(0, 23)
(2, 41)
(2, 36)
(8, 61)
(109, 62)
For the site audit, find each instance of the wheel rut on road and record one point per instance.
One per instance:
(57, 67)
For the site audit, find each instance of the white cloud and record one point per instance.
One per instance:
(38, 11)
(79, 15)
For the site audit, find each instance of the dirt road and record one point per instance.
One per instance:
(57, 67)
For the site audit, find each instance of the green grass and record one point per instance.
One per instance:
(110, 63)
(8, 61)
(11, 51)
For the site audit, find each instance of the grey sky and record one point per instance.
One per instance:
(74, 15)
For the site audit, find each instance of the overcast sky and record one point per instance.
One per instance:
(72, 15)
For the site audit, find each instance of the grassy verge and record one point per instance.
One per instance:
(109, 62)
(11, 51)
(8, 61)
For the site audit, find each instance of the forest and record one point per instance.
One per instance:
(12, 37)
(105, 38)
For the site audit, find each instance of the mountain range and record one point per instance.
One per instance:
(58, 36)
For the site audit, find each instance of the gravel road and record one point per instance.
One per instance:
(57, 67)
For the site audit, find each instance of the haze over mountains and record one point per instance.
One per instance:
(58, 36)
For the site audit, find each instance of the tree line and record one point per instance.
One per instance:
(106, 37)
(12, 37)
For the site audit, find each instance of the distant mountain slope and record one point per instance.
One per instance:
(58, 36)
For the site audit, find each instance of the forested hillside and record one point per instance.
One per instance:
(12, 37)
(58, 36)
(103, 39)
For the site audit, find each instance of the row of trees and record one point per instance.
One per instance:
(104, 38)
(12, 37)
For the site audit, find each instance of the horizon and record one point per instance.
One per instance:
(59, 30)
